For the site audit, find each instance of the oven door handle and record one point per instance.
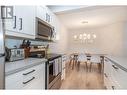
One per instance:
(51, 61)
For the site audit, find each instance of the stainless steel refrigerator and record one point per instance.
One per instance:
(2, 55)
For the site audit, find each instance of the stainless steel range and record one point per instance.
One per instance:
(53, 71)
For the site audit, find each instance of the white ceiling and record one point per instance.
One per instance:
(96, 16)
(65, 8)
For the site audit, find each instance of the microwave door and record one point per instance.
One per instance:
(44, 31)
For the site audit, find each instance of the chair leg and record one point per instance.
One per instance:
(78, 65)
(70, 62)
(86, 66)
(90, 66)
(73, 64)
(99, 67)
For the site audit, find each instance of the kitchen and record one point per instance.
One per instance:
(39, 42)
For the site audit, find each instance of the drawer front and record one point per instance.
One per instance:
(107, 81)
(34, 84)
(122, 78)
(33, 77)
(14, 81)
(36, 79)
(31, 72)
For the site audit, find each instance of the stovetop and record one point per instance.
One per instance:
(49, 57)
(52, 56)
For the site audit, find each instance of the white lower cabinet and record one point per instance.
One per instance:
(122, 78)
(64, 58)
(114, 77)
(32, 78)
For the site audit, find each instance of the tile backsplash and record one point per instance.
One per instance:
(10, 43)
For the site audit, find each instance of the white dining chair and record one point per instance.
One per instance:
(82, 58)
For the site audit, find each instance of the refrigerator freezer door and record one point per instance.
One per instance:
(2, 80)
(2, 58)
(1, 38)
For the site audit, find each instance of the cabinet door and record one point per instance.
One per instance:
(108, 82)
(107, 67)
(23, 22)
(14, 81)
(26, 20)
(41, 12)
(45, 14)
(116, 76)
(63, 74)
(106, 73)
(11, 24)
(122, 78)
(49, 18)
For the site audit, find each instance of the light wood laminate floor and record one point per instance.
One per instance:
(82, 79)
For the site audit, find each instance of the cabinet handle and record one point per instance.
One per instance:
(28, 72)
(47, 17)
(113, 87)
(29, 80)
(105, 75)
(115, 67)
(14, 22)
(20, 23)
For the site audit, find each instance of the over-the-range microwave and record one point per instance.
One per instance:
(44, 31)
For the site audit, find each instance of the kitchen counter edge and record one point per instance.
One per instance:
(117, 63)
(14, 69)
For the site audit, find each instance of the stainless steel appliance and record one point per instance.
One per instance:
(14, 54)
(2, 55)
(53, 72)
(44, 30)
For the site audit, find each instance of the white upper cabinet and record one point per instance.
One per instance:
(26, 20)
(48, 16)
(41, 12)
(11, 24)
(45, 14)
(23, 22)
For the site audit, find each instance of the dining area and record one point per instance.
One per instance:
(88, 60)
(84, 71)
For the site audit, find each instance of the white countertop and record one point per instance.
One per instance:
(13, 67)
(121, 60)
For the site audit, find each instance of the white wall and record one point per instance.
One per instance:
(60, 46)
(114, 39)
(83, 47)
(111, 39)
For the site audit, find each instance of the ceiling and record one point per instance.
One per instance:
(93, 16)
(65, 8)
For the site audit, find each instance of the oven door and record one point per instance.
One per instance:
(53, 74)
(51, 71)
